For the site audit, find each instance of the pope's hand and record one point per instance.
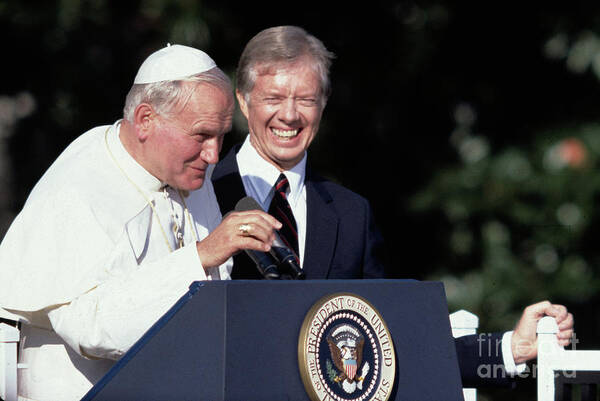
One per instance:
(253, 229)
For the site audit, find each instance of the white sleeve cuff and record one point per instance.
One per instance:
(222, 272)
(509, 361)
(189, 257)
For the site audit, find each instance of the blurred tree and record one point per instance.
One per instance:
(517, 220)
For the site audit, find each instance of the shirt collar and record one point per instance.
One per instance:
(138, 174)
(262, 175)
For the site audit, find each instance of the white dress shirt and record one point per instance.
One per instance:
(259, 177)
(86, 265)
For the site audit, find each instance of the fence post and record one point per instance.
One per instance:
(9, 338)
(548, 352)
(465, 323)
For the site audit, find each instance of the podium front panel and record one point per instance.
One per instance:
(238, 340)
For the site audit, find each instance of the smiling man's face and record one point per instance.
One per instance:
(283, 111)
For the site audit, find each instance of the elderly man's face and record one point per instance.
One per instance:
(283, 112)
(184, 144)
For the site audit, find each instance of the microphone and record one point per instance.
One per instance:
(266, 263)
(286, 258)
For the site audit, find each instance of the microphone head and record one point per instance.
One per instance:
(247, 203)
(279, 256)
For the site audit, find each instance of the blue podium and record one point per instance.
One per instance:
(239, 340)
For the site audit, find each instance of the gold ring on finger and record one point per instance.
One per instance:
(244, 229)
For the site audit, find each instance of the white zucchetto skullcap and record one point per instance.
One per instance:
(172, 63)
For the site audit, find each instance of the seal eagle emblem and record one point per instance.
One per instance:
(346, 347)
(345, 351)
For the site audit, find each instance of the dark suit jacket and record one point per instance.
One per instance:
(342, 242)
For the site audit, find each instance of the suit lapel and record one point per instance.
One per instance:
(229, 189)
(321, 229)
(227, 182)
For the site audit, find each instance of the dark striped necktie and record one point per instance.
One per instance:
(281, 210)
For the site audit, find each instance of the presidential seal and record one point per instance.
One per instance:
(345, 351)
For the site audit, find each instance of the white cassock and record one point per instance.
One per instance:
(88, 268)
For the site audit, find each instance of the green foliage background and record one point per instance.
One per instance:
(482, 117)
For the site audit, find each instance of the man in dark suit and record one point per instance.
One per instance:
(341, 239)
(282, 89)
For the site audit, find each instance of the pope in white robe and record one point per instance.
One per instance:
(93, 267)
(103, 247)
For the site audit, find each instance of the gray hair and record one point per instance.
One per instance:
(282, 44)
(164, 95)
